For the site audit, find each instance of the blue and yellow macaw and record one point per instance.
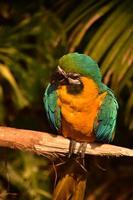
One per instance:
(80, 107)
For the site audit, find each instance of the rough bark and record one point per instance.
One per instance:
(46, 143)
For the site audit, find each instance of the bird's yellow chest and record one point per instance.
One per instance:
(80, 110)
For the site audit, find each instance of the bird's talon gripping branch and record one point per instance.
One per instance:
(82, 149)
(72, 146)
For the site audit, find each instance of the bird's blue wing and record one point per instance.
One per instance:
(52, 109)
(106, 119)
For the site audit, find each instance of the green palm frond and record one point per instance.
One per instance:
(26, 52)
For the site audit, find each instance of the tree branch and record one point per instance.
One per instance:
(44, 143)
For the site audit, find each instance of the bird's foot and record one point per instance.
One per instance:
(72, 146)
(82, 149)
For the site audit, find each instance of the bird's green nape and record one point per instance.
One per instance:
(82, 64)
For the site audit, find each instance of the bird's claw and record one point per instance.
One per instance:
(81, 149)
(72, 146)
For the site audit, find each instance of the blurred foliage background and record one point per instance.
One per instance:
(33, 36)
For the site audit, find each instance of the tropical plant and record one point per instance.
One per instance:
(27, 51)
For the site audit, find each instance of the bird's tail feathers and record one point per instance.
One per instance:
(72, 182)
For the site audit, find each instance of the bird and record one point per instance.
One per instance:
(83, 109)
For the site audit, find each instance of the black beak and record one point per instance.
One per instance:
(64, 78)
(60, 76)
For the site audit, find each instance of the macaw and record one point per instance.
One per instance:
(80, 107)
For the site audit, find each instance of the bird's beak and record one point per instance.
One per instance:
(70, 80)
(62, 72)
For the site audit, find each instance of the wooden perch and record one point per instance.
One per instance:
(44, 143)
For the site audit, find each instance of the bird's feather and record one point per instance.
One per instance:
(72, 182)
(106, 118)
(51, 106)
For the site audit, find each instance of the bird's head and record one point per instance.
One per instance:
(72, 67)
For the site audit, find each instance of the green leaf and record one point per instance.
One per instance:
(19, 98)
